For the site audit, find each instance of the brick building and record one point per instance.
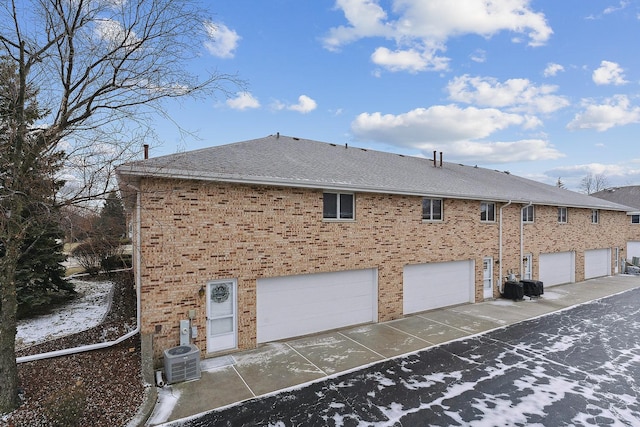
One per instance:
(279, 237)
(628, 196)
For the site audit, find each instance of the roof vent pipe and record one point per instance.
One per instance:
(277, 135)
(434, 159)
(146, 151)
(441, 159)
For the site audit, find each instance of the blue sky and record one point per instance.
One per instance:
(544, 89)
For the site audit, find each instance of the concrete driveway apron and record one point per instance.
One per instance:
(438, 367)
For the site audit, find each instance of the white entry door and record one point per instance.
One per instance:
(487, 277)
(526, 267)
(221, 315)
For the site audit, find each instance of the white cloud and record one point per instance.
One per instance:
(480, 56)
(616, 174)
(222, 40)
(420, 28)
(516, 95)
(609, 73)
(439, 123)
(114, 33)
(243, 101)
(409, 60)
(607, 170)
(612, 9)
(366, 20)
(454, 130)
(304, 105)
(552, 69)
(615, 111)
(525, 150)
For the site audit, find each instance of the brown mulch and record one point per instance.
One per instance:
(95, 388)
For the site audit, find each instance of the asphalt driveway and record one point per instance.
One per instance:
(579, 366)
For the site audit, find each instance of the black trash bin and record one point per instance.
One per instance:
(513, 290)
(533, 288)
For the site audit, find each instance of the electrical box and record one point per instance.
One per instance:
(184, 332)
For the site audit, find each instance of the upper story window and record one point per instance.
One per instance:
(338, 205)
(635, 219)
(595, 216)
(528, 214)
(487, 212)
(562, 215)
(432, 209)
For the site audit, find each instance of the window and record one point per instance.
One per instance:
(595, 216)
(337, 205)
(432, 209)
(527, 214)
(635, 219)
(487, 212)
(562, 215)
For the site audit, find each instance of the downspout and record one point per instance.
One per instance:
(500, 248)
(522, 240)
(97, 346)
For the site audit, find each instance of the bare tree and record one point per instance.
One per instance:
(103, 69)
(593, 183)
(560, 184)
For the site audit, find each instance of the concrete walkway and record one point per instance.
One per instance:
(272, 367)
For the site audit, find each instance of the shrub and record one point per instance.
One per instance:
(93, 253)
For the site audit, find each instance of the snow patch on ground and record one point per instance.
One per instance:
(167, 400)
(87, 310)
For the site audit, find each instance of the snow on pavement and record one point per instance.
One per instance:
(84, 312)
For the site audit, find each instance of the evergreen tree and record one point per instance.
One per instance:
(40, 276)
(111, 225)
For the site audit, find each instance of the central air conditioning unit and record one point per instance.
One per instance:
(182, 363)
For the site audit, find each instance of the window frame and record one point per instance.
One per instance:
(430, 215)
(595, 216)
(338, 206)
(637, 218)
(526, 217)
(563, 219)
(486, 211)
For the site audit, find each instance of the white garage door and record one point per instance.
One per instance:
(597, 263)
(633, 249)
(557, 268)
(439, 284)
(291, 306)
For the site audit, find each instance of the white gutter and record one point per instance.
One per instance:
(500, 249)
(97, 346)
(522, 239)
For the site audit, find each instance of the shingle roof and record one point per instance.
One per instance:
(287, 161)
(629, 195)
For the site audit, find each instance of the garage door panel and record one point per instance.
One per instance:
(557, 268)
(298, 305)
(597, 263)
(633, 250)
(434, 285)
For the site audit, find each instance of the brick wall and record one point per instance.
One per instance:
(193, 232)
